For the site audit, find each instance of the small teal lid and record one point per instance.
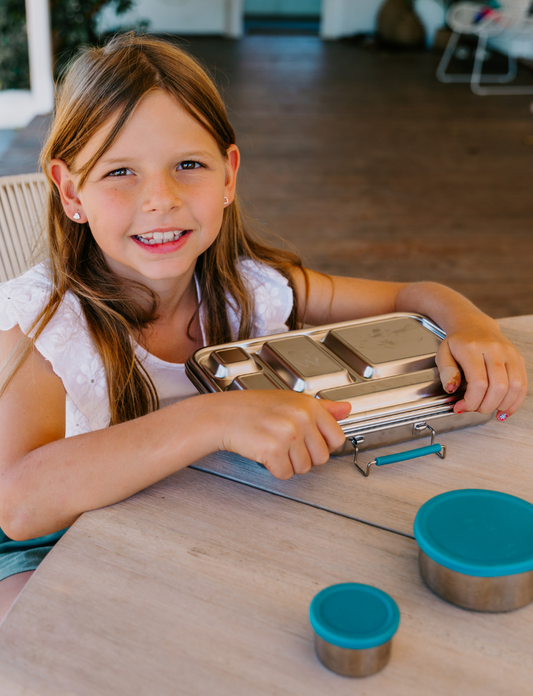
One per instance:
(477, 532)
(354, 616)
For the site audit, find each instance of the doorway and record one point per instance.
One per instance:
(282, 16)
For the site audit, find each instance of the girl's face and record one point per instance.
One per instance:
(155, 200)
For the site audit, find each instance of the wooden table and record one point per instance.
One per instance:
(201, 585)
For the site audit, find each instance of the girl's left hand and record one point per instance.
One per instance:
(494, 370)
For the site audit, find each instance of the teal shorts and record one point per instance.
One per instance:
(18, 556)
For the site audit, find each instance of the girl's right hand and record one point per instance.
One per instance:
(286, 432)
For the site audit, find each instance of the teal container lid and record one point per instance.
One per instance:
(482, 533)
(354, 616)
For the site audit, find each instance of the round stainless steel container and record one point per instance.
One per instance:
(476, 549)
(354, 625)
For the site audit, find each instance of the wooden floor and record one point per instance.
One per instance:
(367, 165)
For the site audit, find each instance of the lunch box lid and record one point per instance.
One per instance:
(354, 616)
(477, 532)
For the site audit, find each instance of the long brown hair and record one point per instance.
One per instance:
(109, 82)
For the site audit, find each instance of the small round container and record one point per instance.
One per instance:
(354, 625)
(476, 549)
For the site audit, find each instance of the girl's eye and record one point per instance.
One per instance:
(189, 164)
(123, 171)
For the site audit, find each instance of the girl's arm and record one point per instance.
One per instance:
(47, 480)
(493, 368)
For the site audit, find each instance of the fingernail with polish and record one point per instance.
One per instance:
(450, 387)
(503, 416)
(459, 412)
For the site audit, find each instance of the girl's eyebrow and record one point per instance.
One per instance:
(109, 162)
(125, 160)
(196, 153)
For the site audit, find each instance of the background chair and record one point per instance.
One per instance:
(510, 20)
(22, 211)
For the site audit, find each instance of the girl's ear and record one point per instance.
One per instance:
(232, 167)
(66, 186)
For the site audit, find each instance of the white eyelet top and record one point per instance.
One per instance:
(67, 344)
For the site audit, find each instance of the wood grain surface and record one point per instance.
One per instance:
(202, 586)
(495, 456)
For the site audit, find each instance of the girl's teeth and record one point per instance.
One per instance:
(160, 237)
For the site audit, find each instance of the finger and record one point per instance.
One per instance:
(327, 424)
(517, 388)
(317, 448)
(330, 430)
(300, 459)
(449, 372)
(280, 467)
(338, 409)
(504, 415)
(274, 456)
(497, 388)
(477, 385)
(450, 378)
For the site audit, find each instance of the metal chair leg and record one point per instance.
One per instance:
(442, 75)
(477, 76)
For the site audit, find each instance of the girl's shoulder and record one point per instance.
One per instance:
(65, 341)
(23, 298)
(273, 297)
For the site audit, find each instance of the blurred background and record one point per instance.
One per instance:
(354, 152)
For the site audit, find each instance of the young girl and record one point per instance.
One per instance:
(149, 259)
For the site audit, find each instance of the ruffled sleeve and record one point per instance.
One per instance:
(273, 299)
(65, 343)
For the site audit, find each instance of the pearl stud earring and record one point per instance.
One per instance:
(76, 216)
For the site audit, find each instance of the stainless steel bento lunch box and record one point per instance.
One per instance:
(384, 366)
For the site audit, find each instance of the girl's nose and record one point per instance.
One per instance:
(162, 195)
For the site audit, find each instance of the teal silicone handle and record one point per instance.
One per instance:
(410, 454)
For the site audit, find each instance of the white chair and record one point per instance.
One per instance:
(511, 21)
(22, 218)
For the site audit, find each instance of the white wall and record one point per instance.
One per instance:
(521, 46)
(180, 16)
(433, 17)
(347, 17)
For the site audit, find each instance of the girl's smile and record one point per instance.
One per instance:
(154, 201)
(162, 241)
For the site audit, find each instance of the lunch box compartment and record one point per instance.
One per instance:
(227, 363)
(389, 391)
(255, 381)
(303, 364)
(385, 348)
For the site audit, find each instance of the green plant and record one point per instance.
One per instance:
(74, 22)
(14, 65)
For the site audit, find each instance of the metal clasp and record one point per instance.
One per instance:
(419, 427)
(438, 449)
(356, 441)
